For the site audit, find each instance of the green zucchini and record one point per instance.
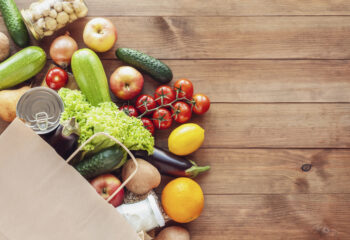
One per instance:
(14, 22)
(22, 66)
(158, 70)
(102, 162)
(90, 76)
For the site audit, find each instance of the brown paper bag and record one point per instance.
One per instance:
(44, 198)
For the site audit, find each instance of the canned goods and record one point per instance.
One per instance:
(44, 17)
(40, 108)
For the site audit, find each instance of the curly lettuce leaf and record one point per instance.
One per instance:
(104, 118)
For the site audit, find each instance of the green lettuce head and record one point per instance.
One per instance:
(104, 118)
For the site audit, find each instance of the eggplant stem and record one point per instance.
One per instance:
(195, 170)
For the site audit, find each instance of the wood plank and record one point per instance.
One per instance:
(273, 126)
(269, 81)
(212, 7)
(240, 37)
(273, 171)
(273, 217)
(260, 81)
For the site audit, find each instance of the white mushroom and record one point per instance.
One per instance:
(48, 33)
(50, 23)
(83, 11)
(72, 17)
(62, 18)
(41, 23)
(67, 7)
(53, 13)
(36, 14)
(45, 8)
(60, 25)
(34, 5)
(38, 29)
(58, 6)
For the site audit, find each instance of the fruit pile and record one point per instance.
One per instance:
(90, 110)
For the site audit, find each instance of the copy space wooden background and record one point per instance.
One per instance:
(278, 75)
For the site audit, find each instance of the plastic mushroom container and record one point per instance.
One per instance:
(144, 215)
(44, 17)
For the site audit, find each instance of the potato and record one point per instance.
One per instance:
(4, 46)
(146, 178)
(173, 233)
(8, 103)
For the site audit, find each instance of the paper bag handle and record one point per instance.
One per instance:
(119, 143)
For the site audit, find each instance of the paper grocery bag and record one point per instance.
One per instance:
(44, 198)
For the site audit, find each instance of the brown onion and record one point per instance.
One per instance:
(62, 49)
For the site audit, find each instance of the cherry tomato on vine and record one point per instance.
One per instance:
(164, 95)
(162, 118)
(181, 112)
(56, 78)
(201, 104)
(129, 110)
(143, 101)
(148, 124)
(184, 87)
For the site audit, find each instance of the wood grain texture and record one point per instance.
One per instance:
(240, 37)
(260, 81)
(277, 74)
(273, 217)
(274, 171)
(212, 7)
(256, 81)
(273, 126)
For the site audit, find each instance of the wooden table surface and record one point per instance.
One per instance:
(277, 73)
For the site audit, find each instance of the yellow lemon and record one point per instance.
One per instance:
(186, 139)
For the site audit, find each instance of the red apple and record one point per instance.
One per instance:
(106, 185)
(126, 82)
(100, 34)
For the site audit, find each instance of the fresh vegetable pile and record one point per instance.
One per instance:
(104, 118)
(90, 109)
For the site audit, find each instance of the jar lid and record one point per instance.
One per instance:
(40, 108)
(156, 210)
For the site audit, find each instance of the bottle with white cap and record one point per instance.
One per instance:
(144, 215)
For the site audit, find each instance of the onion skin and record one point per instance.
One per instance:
(173, 233)
(62, 49)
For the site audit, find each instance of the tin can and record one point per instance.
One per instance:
(44, 17)
(40, 108)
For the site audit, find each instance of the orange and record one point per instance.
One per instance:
(183, 200)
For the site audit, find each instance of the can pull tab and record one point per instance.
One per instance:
(42, 120)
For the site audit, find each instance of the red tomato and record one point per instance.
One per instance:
(143, 101)
(129, 110)
(164, 95)
(56, 78)
(148, 124)
(184, 87)
(182, 112)
(162, 118)
(201, 104)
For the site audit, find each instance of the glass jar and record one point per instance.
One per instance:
(144, 215)
(44, 17)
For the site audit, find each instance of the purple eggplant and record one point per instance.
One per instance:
(65, 138)
(170, 164)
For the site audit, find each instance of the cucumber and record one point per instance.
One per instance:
(102, 162)
(90, 76)
(14, 22)
(22, 66)
(158, 70)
